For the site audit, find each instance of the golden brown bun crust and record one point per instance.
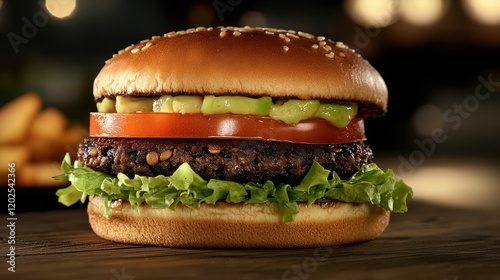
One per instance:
(238, 226)
(243, 61)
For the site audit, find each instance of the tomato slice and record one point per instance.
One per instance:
(223, 126)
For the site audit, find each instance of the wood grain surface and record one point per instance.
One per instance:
(429, 242)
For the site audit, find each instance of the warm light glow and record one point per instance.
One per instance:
(466, 186)
(485, 12)
(372, 13)
(427, 119)
(253, 18)
(60, 8)
(201, 14)
(422, 12)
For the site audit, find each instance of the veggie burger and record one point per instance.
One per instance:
(234, 137)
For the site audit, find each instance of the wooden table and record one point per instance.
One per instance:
(429, 242)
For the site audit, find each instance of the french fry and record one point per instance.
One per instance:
(36, 140)
(72, 138)
(17, 154)
(13, 153)
(44, 149)
(40, 174)
(48, 124)
(16, 116)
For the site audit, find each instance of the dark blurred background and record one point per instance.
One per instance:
(440, 59)
(430, 61)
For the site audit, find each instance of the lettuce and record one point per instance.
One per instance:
(370, 184)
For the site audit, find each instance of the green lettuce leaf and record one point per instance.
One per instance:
(370, 184)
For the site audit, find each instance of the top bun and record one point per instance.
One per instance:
(244, 61)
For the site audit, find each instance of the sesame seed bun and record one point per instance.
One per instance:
(244, 61)
(248, 62)
(229, 225)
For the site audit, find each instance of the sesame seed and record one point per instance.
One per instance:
(180, 32)
(134, 50)
(320, 38)
(190, 30)
(284, 37)
(292, 31)
(274, 30)
(210, 29)
(292, 35)
(148, 44)
(169, 34)
(286, 48)
(322, 43)
(222, 33)
(236, 33)
(200, 28)
(128, 48)
(155, 37)
(306, 35)
(341, 45)
(330, 55)
(315, 46)
(269, 32)
(144, 41)
(342, 54)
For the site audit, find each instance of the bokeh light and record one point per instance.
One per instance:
(427, 118)
(372, 13)
(422, 12)
(486, 12)
(253, 18)
(60, 8)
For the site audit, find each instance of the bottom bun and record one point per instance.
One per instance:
(235, 225)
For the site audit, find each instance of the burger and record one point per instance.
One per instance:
(234, 137)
